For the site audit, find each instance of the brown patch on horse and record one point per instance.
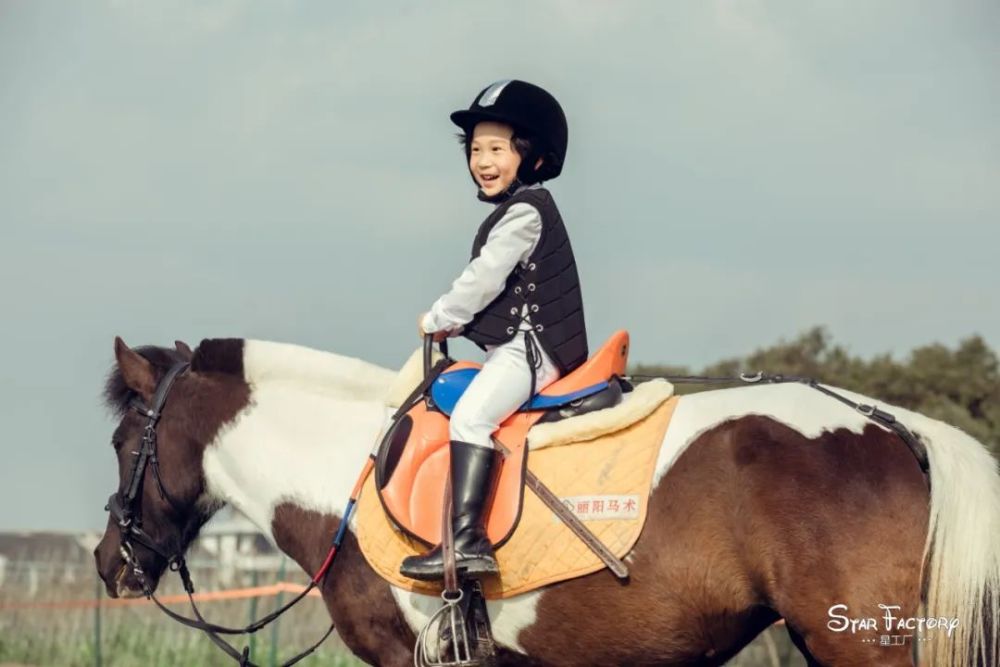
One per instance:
(219, 355)
(755, 522)
(201, 403)
(358, 600)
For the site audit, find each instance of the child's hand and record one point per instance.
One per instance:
(438, 335)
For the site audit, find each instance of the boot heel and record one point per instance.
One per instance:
(478, 567)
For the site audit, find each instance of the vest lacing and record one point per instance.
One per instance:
(532, 349)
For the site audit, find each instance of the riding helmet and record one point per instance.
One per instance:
(531, 111)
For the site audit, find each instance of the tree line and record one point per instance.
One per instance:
(960, 386)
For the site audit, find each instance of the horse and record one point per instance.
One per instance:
(768, 502)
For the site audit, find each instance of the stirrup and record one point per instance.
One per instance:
(445, 641)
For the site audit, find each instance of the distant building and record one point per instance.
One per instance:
(228, 545)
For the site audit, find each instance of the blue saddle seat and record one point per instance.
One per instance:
(450, 385)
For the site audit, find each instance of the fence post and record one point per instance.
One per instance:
(273, 654)
(97, 624)
(255, 579)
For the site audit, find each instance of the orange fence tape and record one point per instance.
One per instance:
(213, 596)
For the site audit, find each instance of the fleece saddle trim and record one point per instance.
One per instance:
(602, 468)
(409, 376)
(636, 405)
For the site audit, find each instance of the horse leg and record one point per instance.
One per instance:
(842, 522)
(854, 538)
(800, 644)
(360, 602)
(887, 659)
(838, 618)
(857, 656)
(362, 605)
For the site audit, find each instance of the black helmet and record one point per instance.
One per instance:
(530, 110)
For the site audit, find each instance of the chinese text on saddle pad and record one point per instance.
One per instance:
(596, 508)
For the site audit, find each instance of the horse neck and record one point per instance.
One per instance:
(310, 423)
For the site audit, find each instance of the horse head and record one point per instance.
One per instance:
(170, 404)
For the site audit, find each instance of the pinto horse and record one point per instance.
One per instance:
(774, 502)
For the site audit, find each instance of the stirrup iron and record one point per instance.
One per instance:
(444, 641)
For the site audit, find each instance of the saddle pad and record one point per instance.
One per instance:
(605, 480)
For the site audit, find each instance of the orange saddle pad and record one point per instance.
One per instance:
(605, 481)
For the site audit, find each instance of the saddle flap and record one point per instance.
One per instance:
(412, 465)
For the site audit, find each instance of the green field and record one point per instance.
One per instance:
(43, 622)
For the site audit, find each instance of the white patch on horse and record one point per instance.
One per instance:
(304, 435)
(807, 410)
(508, 617)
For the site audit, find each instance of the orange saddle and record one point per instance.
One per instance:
(412, 462)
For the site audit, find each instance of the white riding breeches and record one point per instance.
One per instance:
(500, 388)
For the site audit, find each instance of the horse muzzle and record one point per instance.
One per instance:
(126, 584)
(121, 571)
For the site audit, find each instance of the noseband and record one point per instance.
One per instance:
(125, 506)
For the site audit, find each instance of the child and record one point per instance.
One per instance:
(519, 299)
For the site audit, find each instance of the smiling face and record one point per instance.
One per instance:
(492, 158)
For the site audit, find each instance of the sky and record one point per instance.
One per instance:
(738, 172)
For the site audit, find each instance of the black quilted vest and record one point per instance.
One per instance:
(549, 285)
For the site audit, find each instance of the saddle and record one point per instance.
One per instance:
(599, 466)
(412, 460)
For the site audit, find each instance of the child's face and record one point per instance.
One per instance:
(492, 159)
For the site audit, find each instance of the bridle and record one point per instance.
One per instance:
(126, 509)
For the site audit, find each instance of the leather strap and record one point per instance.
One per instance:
(448, 544)
(872, 412)
(551, 500)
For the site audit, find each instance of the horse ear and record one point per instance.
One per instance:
(183, 349)
(136, 370)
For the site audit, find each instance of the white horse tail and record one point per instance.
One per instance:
(962, 554)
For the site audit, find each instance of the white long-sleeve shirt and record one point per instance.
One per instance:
(510, 242)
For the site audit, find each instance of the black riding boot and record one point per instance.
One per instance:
(473, 475)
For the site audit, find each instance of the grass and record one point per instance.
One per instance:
(133, 636)
(143, 635)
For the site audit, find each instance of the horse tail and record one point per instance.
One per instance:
(962, 553)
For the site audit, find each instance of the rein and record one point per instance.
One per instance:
(126, 510)
(872, 412)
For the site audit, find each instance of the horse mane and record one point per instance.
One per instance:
(314, 370)
(267, 361)
(219, 355)
(117, 394)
